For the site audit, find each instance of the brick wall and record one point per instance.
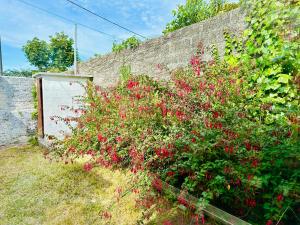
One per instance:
(173, 50)
(16, 106)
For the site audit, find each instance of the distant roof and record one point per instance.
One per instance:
(48, 74)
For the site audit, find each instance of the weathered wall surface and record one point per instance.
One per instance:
(16, 106)
(173, 50)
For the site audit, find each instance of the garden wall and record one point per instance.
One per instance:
(16, 106)
(173, 50)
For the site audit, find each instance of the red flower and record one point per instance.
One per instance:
(119, 139)
(218, 125)
(229, 149)
(88, 167)
(248, 146)
(251, 202)
(254, 163)
(138, 96)
(279, 197)
(114, 157)
(216, 114)
(202, 86)
(101, 138)
(180, 115)
(106, 215)
(167, 222)
(196, 218)
(269, 222)
(122, 114)
(170, 173)
(249, 177)
(195, 61)
(118, 97)
(157, 184)
(182, 201)
(163, 108)
(131, 84)
(163, 152)
(203, 219)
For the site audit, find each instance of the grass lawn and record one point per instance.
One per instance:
(35, 191)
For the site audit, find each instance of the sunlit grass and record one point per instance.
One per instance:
(35, 191)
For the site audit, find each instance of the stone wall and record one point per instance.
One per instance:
(16, 107)
(173, 50)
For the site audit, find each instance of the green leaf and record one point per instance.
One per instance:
(284, 78)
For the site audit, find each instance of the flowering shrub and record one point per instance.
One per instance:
(196, 133)
(202, 132)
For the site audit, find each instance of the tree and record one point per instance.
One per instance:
(18, 73)
(61, 51)
(195, 11)
(58, 54)
(38, 54)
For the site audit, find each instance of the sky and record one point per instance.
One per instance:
(20, 23)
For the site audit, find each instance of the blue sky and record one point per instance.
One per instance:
(19, 23)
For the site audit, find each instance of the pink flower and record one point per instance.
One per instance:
(88, 167)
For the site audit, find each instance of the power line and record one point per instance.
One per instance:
(67, 19)
(114, 23)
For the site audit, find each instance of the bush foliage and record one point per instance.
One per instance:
(129, 43)
(195, 11)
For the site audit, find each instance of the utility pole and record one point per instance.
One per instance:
(1, 65)
(75, 50)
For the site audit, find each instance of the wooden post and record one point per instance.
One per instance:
(40, 124)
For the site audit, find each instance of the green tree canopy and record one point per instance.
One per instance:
(38, 54)
(195, 11)
(58, 54)
(18, 73)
